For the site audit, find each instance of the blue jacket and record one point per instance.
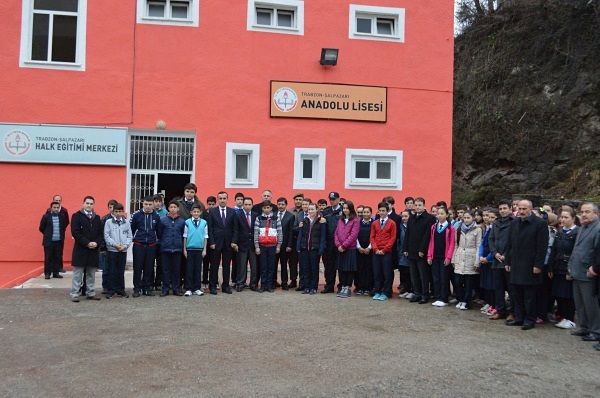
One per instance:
(144, 227)
(484, 248)
(401, 233)
(170, 233)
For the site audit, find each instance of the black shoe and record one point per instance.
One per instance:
(157, 288)
(149, 293)
(271, 290)
(96, 298)
(136, 293)
(177, 294)
(590, 337)
(596, 347)
(415, 299)
(528, 326)
(239, 288)
(277, 284)
(227, 289)
(305, 291)
(253, 288)
(579, 333)
(260, 290)
(327, 290)
(292, 285)
(514, 323)
(213, 292)
(47, 276)
(57, 276)
(164, 294)
(299, 289)
(109, 296)
(424, 300)
(285, 287)
(123, 294)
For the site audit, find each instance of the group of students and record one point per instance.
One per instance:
(485, 254)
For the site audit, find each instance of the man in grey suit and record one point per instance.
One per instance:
(584, 286)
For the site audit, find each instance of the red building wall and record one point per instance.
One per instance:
(214, 79)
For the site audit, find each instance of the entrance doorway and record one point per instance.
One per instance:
(171, 185)
(159, 163)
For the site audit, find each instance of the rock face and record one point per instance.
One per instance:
(527, 104)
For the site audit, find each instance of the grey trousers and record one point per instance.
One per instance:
(90, 281)
(243, 258)
(586, 306)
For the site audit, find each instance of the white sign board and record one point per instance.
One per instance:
(63, 144)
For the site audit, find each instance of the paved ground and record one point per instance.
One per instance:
(282, 344)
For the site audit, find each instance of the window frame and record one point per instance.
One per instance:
(296, 7)
(373, 156)
(27, 12)
(235, 148)
(374, 13)
(318, 155)
(193, 19)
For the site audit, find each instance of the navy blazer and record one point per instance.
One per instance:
(287, 226)
(218, 234)
(243, 234)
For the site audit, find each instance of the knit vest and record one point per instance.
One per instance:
(195, 235)
(364, 234)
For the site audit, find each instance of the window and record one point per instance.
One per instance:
(241, 165)
(309, 168)
(276, 16)
(53, 34)
(376, 23)
(168, 12)
(373, 169)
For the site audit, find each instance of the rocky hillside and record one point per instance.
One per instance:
(527, 103)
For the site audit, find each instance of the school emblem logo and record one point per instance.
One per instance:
(17, 143)
(285, 99)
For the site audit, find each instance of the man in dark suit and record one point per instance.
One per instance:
(525, 255)
(86, 228)
(287, 221)
(242, 243)
(220, 233)
(332, 215)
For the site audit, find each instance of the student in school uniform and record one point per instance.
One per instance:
(195, 238)
(170, 233)
(242, 243)
(267, 243)
(345, 237)
(364, 276)
(144, 224)
(466, 259)
(312, 236)
(439, 256)
(118, 238)
(383, 239)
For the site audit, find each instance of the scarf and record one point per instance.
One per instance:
(466, 228)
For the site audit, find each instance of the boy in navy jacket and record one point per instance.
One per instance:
(170, 234)
(144, 225)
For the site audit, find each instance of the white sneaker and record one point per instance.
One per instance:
(565, 324)
(459, 305)
(403, 295)
(409, 296)
(485, 308)
(442, 304)
(199, 292)
(463, 306)
(436, 303)
(187, 293)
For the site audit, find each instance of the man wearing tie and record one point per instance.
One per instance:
(286, 220)
(220, 234)
(243, 245)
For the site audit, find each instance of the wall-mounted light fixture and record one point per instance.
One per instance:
(329, 56)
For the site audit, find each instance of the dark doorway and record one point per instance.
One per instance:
(171, 185)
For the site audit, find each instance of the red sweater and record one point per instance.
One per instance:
(383, 239)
